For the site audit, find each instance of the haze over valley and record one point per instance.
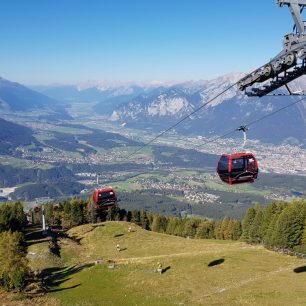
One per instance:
(56, 140)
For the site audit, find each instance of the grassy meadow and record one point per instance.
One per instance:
(196, 272)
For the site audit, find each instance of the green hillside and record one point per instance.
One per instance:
(198, 272)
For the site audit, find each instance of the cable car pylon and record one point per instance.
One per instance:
(286, 66)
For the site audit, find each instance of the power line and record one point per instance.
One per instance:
(275, 112)
(227, 133)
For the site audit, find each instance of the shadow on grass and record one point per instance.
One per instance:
(34, 235)
(118, 235)
(54, 245)
(76, 239)
(97, 225)
(72, 238)
(216, 262)
(58, 282)
(56, 276)
(36, 242)
(67, 288)
(300, 269)
(166, 269)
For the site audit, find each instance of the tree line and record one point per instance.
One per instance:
(75, 212)
(279, 225)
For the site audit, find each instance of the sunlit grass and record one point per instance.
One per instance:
(243, 275)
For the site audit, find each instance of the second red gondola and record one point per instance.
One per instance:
(237, 168)
(104, 198)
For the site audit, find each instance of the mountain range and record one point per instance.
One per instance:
(13, 136)
(154, 107)
(15, 97)
(105, 97)
(157, 106)
(159, 109)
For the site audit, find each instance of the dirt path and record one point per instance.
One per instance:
(249, 280)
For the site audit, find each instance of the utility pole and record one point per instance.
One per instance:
(43, 219)
(97, 179)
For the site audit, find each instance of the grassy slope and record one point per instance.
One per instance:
(248, 276)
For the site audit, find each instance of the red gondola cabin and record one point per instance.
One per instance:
(37, 208)
(104, 198)
(237, 168)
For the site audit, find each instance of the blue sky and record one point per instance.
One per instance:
(69, 41)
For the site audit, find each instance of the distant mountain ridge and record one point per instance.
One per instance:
(15, 97)
(159, 105)
(229, 111)
(13, 136)
(105, 97)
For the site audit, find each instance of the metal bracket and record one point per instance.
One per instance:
(244, 129)
(296, 8)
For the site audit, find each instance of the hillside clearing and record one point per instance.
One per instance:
(198, 272)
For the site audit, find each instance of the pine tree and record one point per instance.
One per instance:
(77, 214)
(144, 220)
(12, 217)
(304, 236)
(156, 224)
(224, 230)
(163, 224)
(49, 214)
(113, 213)
(247, 223)
(66, 214)
(171, 226)
(205, 230)
(270, 215)
(129, 216)
(13, 261)
(217, 230)
(123, 215)
(136, 216)
(267, 215)
(269, 237)
(290, 225)
(19, 216)
(255, 230)
(237, 230)
(179, 228)
(190, 228)
(150, 219)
